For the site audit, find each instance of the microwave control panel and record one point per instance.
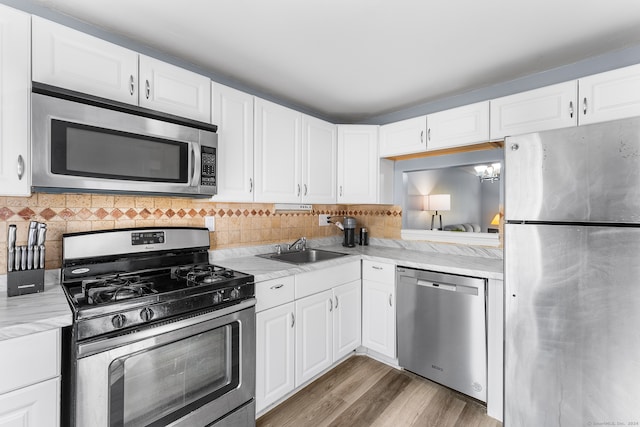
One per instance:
(208, 161)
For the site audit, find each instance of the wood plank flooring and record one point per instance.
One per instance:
(364, 392)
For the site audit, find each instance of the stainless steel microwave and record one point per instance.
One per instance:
(88, 147)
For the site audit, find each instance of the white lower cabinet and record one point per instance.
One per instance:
(314, 343)
(275, 351)
(35, 406)
(378, 308)
(347, 318)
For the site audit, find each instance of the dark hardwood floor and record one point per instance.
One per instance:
(364, 392)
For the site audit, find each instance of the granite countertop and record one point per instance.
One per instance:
(33, 313)
(28, 314)
(265, 269)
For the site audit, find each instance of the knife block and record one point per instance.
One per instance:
(25, 282)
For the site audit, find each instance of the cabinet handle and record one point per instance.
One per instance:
(132, 86)
(20, 168)
(305, 189)
(330, 305)
(429, 134)
(250, 185)
(390, 297)
(336, 302)
(584, 105)
(421, 137)
(375, 267)
(147, 88)
(293, 320)
(341, 191)
(278, 286)
(571, 109)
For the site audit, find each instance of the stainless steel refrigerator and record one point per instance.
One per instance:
(572, 276)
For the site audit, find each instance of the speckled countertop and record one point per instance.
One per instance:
(28, 314)
(33, 313)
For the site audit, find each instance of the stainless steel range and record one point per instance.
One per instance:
(160, 336)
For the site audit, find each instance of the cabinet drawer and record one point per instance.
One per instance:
(378, 272)
(29, 359)
(271, 293)
(317, 281)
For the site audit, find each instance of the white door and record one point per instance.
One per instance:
(610, 96)
(347, 318)
(550, 107)
(403, 137)
(15, 95)
(314, 318)
(73, 60)
(358, 164)
(319, 161)
(37, 405)
(274, 354)
(232, 111)
(277, 148)
(378, 317)
(174, 90)
(458, 127)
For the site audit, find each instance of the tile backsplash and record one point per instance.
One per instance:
(236, 224)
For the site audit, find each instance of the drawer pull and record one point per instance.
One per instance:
(390, 298)
(293, 320)
(330, 305)
(278, 286)
(336, 302)
(375, 267)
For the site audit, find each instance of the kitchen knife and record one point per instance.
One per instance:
(33, 230)
(36, 257)
(29, 257)
(16, 258)
(11, 247)
(23, 257)
(10, 256)
(42, 232)
(41, 256)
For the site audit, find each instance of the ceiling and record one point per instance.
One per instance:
(354, 59)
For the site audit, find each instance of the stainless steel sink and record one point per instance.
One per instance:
(303, 257)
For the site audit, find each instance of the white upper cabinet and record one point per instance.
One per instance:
(15, 89)
(403, 137)
(319, 161)
(73, 60)
(358, 164)
(174, 90)
(277, 145)
(609, 96)
(550, 107)
(232, 111)
(459, 126)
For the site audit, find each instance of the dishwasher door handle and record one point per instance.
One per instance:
(442, 286)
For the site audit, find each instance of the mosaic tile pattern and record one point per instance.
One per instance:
(237, 224)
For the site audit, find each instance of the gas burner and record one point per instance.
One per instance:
(202, 274)
(115, 288)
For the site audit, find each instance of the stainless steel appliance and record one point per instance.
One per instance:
(83, 146)
(572, 276)
(159, 337)
(442, 329)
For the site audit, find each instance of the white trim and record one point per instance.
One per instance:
(459, 237)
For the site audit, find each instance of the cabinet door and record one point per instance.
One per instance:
(551, 107)
(15, 95)
(610, 96)
(358, 164)
(73, 60)
(232, 111)
(378, 317)
(403, 137)
(459, 126)
(347, 319)
(319, 161)
(314, 318)
(274, 354)
(277, 153)
(34, 406)
(174, 90)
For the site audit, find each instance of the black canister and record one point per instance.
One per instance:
(349, 224)
(364, 237)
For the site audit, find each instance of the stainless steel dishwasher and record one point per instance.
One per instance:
(442, 329)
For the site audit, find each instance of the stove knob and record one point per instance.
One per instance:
(235, 293)
(217, 297)
(146, 314)
(118, 321)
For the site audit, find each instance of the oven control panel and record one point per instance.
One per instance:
(147, 238)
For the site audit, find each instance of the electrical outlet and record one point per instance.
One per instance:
(210, 222)
(323, 220)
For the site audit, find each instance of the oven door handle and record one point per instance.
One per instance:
(171, 331)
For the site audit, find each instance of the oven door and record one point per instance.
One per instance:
(190, 372)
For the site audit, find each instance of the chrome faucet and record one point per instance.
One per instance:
(300, 244)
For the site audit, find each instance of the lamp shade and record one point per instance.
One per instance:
(439, 202)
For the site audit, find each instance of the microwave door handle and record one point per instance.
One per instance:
(195, 165)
